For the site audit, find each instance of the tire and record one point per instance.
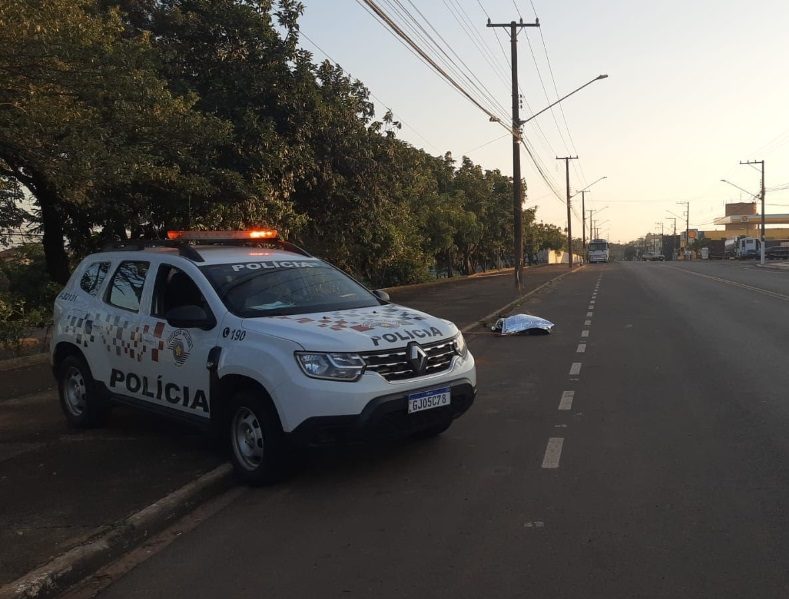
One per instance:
(258, 448)
(433, 431)
(79, 400)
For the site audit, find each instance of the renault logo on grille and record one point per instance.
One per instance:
(417, 357)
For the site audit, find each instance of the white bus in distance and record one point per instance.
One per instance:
(597, 251)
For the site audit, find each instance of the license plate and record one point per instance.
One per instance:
(427, 400)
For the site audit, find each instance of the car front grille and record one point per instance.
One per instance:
(393, 364)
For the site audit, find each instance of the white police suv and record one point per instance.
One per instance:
(252, 336)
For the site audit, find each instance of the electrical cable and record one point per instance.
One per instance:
(384, 104)
(556, 90)
(419, 31)
(398, 32)
(476, 38)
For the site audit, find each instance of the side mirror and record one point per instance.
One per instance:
(381, 295)
(189, 317)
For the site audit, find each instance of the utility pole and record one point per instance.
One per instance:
(674, 238)
(661, 237)
(591, 224)
(687, 226)
(583, 219)
(761, 163)
(517, 193)
(567, 160)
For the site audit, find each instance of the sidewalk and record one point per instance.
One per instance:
(61, 487)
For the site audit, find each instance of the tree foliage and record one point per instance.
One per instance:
(127, 117)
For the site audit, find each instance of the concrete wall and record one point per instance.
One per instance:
(557, 257)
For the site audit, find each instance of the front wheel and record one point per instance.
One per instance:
(257, 442)
(79, 400)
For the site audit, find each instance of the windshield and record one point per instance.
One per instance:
(596, 247)
(256, 289)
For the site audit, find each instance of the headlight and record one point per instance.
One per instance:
(460, 346)
(331, 366)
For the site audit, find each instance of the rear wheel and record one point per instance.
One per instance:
(257, 443)
(79, 400)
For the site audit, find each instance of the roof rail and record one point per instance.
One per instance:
(184, 249)
(189, 251)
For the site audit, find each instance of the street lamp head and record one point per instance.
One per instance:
(602, 76)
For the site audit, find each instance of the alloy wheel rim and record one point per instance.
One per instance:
(75, 391)
(247, 435)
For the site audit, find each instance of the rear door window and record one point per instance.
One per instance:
(125, 290)
(91, 280)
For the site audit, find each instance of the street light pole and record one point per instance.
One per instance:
(575, 91)
(753, 195)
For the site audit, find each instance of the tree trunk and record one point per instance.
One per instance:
(52, 224)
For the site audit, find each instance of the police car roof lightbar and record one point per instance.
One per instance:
(222, 235)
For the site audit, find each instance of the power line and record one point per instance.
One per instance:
(464, 21)
(556, 90)
(384, 104)
(382, 16)
(487, 143)
(545, 91)
(419, 31)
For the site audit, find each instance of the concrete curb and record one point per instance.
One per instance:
(478, 275)
(515, 302)
(72, 566)
(447, 280)
(32, 360)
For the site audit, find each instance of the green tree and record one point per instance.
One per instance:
(86, 115)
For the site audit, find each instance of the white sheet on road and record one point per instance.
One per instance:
(523, 323)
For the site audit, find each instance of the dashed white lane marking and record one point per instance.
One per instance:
(587, 323)
(575, 369)
(591, 307)
(581, 348)
(589, 314)
(553, 452)
(566, 402)
(585, 333)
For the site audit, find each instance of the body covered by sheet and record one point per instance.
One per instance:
(523, 323)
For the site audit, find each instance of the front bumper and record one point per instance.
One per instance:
(384, 418)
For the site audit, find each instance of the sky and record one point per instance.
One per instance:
(694, 88)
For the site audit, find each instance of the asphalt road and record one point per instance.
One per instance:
(641, 450)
